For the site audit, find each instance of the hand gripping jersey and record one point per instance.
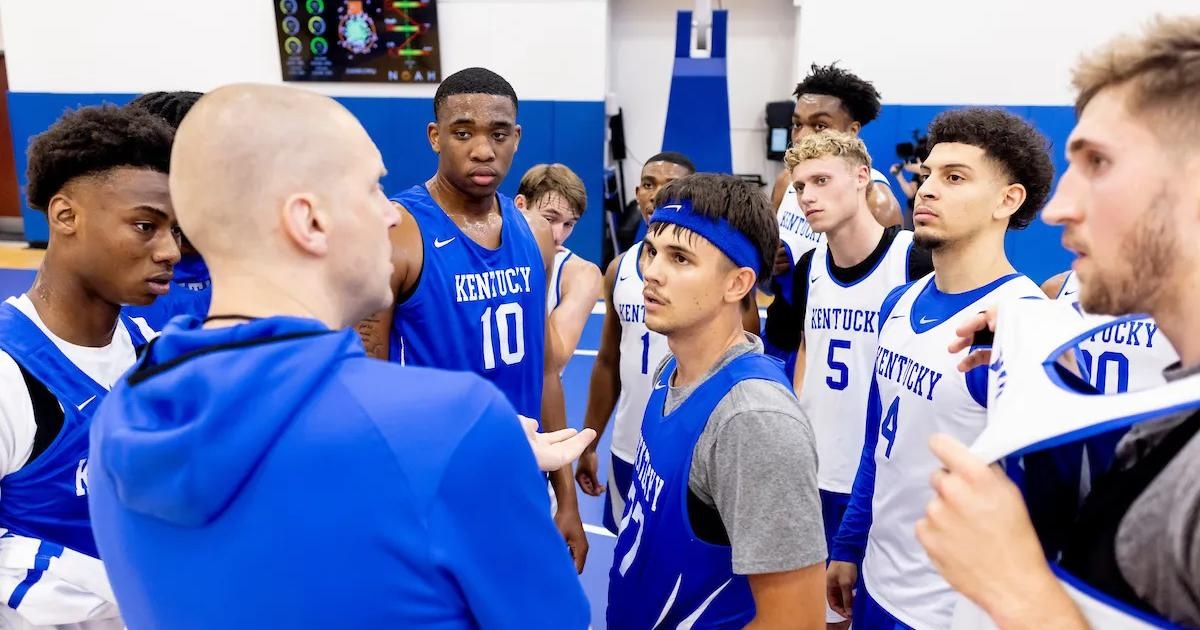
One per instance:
(841, 336)
(642, 351)
(476, 309)
(663, 575)
(920, 392)
(1031, 407)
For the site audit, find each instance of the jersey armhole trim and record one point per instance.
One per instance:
(48, 415)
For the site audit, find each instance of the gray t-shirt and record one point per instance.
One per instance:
(756, 464)
(1158, 540)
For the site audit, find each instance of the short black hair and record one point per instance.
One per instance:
(674, 157)
(1020, 149)
(170, 106)
(859, 97)
(91, 141)
(473, 81)
(741, 203)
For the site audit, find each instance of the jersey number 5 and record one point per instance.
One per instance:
(841, 370)
(512, 347)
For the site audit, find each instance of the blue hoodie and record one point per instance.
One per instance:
(270, 475)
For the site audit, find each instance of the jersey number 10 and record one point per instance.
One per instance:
(508, 316)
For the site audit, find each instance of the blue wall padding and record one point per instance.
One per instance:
(698, 106)
(569, 132)
(1035, 251)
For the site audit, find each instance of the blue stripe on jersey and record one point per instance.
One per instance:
(46, 551)
(46, 498)
(476, 309)
(850, 543)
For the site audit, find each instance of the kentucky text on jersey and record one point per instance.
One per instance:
(632, 313)
(647, 478)
(796, 224)
(853, 319)
(1128, 334)
(912, 375)
(475, 287)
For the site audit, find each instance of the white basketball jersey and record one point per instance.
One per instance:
(841, 337)
(921, 392)
(794, 231)
(1028, 409)
(641, 351)
(554, 285)
(1128, 357)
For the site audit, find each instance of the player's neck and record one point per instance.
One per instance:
(70, 309)
(970, 264)
(854, 240)
(697, 350)
(255, 296)
(454, 201)
(1179, 318)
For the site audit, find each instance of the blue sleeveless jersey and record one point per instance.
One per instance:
(47, 498)
(663, 575)
(476, 309)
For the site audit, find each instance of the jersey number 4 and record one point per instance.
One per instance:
(887, 428)
(509, 318)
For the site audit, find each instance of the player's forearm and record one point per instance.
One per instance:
(554, 418)
(603, 390)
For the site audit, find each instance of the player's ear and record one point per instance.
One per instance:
(516, 137)
(305, 224)
(521, 202)
(434, 137)
(739, 282)
(1014, 197)
(62, 214)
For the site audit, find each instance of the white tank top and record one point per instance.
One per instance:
(1028, 409)
(641, 351)
(794, 231)
(554, 286)
(841, 336)
(921, 392)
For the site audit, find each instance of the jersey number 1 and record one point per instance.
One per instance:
(512, 348)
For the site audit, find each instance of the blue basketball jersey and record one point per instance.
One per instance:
(47, 498)
(476, 309)
(663, 575)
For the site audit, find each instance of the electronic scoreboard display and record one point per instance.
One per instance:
(383, 41)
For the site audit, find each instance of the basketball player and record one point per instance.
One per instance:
(987, 172)
(621, 375)
(839, 287)
(190, 289)
(100, 175)
(555, 193)
(828, 99)
(347, 488)
(1136, 542)
(721, 529)
(470, 269)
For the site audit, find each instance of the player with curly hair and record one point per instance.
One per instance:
(988, 172)
(100, 175)
(830, 98)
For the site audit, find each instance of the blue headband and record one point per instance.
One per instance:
(719, 232)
